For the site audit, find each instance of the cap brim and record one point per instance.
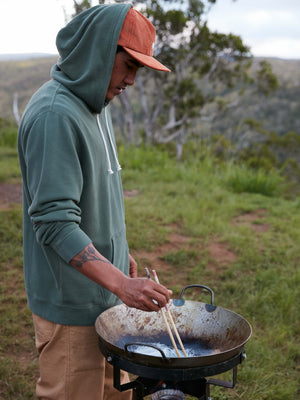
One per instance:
(148, 61)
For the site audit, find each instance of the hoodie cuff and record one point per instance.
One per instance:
(72, 244)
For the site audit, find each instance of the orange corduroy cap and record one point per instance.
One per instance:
(137, 37)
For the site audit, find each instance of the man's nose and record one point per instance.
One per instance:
(130, 78)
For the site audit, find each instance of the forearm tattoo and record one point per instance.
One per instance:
(87, 254)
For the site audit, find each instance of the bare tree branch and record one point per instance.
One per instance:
(16, 109)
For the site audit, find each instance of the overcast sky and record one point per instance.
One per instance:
(269, 27)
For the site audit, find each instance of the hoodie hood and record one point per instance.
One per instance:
(87, 47)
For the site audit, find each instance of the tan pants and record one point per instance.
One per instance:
(71, 364)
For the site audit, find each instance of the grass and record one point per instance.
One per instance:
(9, 167)
(17, 364)
(243, 179)
(197, 200)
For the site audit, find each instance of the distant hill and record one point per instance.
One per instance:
(280, 112)
(23, 56)
(22, 77)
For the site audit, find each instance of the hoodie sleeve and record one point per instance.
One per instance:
(55, 183)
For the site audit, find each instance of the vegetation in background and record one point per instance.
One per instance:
(21, 78)
(204, 65)
(246, 180)
(9, 167)
(8, 133)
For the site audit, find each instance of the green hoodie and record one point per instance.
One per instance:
(72, 191)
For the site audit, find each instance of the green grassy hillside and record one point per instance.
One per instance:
(202, 221)
(23, 77)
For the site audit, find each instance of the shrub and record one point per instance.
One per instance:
(8, 134)
(242, 179)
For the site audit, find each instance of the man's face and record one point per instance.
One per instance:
(123, 74)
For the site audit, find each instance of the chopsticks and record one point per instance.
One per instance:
(171, 319)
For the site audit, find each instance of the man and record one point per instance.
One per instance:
(76, 259)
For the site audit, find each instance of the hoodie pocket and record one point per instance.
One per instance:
(120, 252)
(120, 259)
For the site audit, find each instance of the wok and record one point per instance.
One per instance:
(210, 334)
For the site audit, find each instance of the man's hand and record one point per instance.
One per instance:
(144, 294)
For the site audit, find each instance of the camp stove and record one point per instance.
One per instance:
(164, 384)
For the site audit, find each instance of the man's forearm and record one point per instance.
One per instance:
(141, 293)
(97, 268)
(89, 253)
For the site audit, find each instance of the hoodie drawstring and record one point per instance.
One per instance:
(110, 171)
(111, 142)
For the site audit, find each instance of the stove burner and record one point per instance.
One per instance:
(168, 394)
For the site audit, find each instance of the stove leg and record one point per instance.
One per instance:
(137, 387)
(207, 396)
(229, 385)
(218, 382)
(137, 394)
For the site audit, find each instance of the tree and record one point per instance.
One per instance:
(203, 63)
(81, 6)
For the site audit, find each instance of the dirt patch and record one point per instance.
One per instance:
(154, 259)
(131, 193)
(253, 219)
(220, 253)
(219, 257)
(10, 194)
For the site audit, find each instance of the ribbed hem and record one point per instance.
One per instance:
(72, 244)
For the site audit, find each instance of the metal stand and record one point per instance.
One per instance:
(194, 382)
(200, 388)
